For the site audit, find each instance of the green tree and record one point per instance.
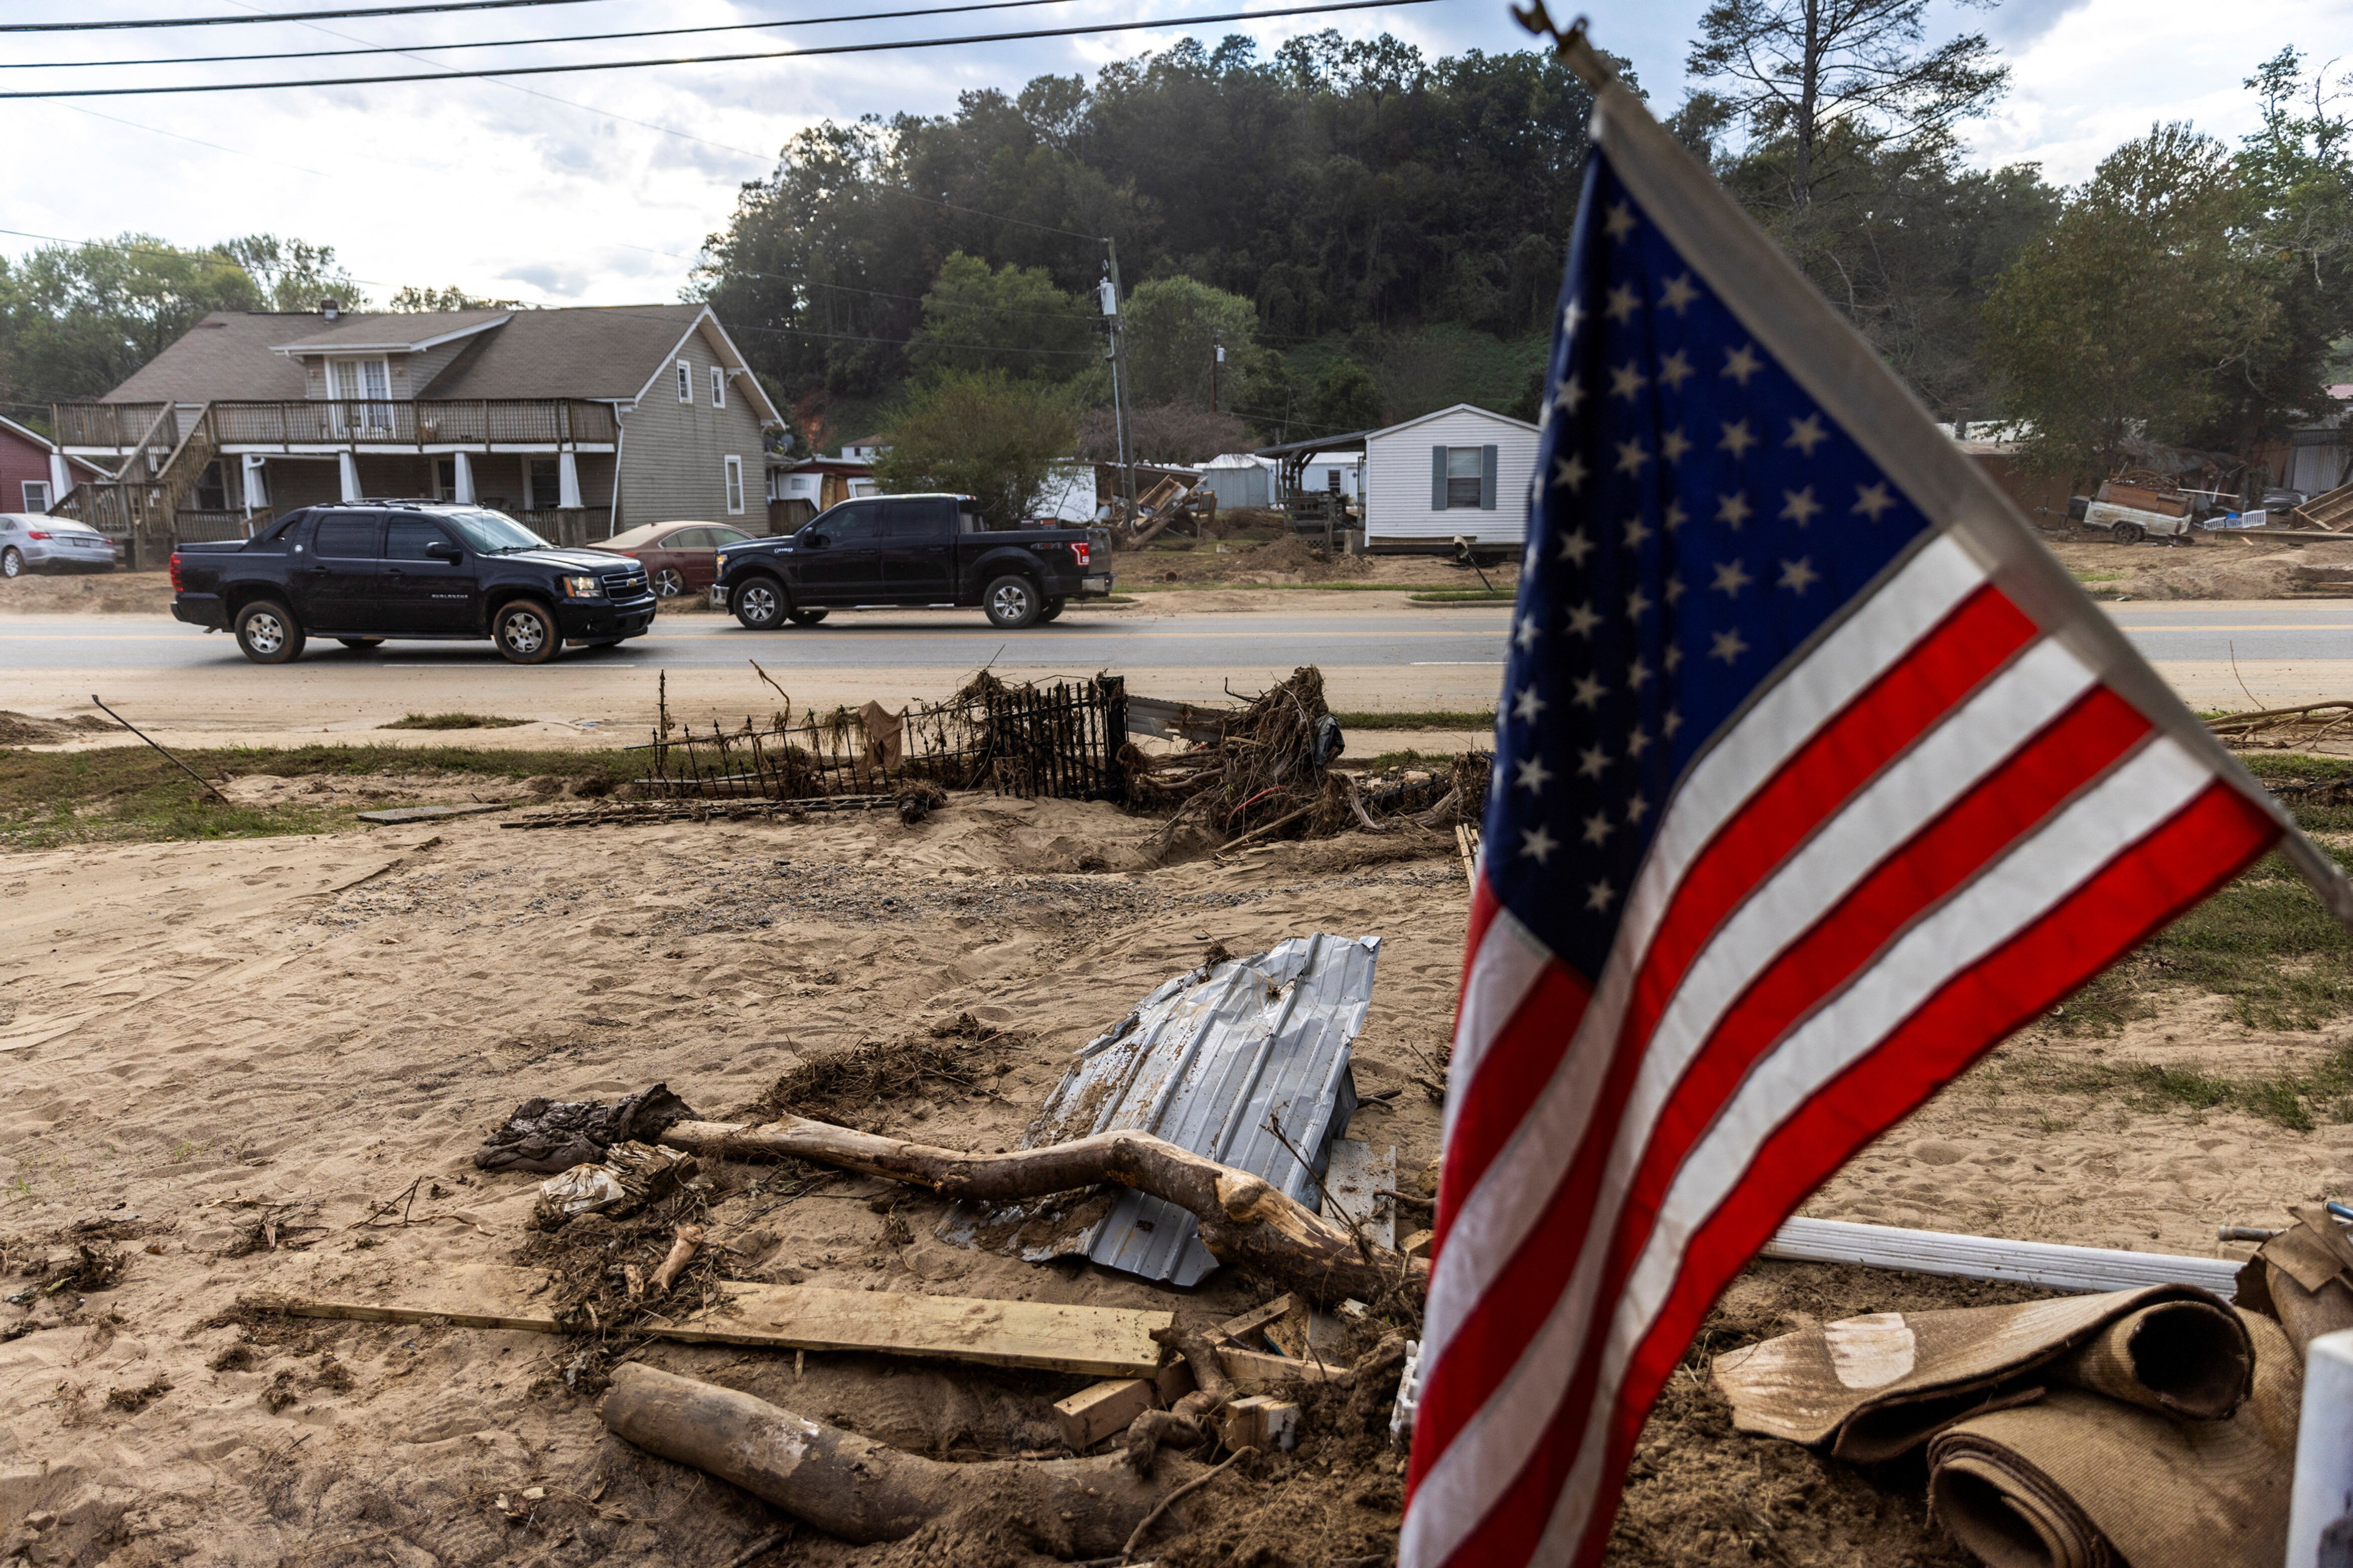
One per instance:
(1173, 328)
(76, 319)
(981, 433)
(1345, 398)
(294, 273)
(1012, 319)
(2131, 318)
(1793, 72)
(450, 296)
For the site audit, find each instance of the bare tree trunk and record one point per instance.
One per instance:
(1244, 1221)
(860, 1492)
(1809, 91)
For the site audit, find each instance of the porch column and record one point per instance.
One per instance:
(347, 470)
(60, 478)
(567, 480)
(464, 466)
(257, 491)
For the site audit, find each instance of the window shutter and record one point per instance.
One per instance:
(1486, 479)
(1438, 479)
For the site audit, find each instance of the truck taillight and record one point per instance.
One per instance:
(1080, 550)
(175, 571)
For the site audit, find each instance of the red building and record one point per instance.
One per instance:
(33, 475)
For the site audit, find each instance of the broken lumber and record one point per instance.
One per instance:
(862, 1491)
(1100, 1342)
(1244, 1220)
(1100, 1409)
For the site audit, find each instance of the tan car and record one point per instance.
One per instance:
(680, 557)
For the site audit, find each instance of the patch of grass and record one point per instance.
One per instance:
(1463, 596)
(2099, 576)
(452, 722)
(1409, 758)
(2296, 1100)
(129, 794)
(2264, 942)
(1421, 718)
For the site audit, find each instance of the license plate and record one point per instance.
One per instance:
(1095, 584)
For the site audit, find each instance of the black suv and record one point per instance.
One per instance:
(362, 572)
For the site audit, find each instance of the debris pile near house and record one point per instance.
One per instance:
(1264, 769)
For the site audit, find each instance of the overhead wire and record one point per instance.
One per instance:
(126, 24)
(414, 50)
(873, 46)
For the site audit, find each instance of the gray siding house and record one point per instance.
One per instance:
(579, 422)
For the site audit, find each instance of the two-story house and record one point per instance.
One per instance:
(580, 421)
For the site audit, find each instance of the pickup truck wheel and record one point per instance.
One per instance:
(669, 582)
(758, 602)
(2130, 533)
(524, 630)
(11, 563)
(1053, 609)
(361, 645)
(804, 617)
(1012, 603)
(268, 632)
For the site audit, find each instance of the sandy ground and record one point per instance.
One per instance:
(2229, 567)
(188, 1030)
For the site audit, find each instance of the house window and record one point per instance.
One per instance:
(444, 480)
(685, 382)
(363, 389)
(211, 489)
(37, 496)
(544, 485)
(1461, 477)
(734, 484)
(718, 387)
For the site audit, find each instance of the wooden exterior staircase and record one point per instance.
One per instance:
(141, 504)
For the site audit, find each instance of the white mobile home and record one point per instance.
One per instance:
(1461, 472)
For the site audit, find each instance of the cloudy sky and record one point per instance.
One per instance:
(598, 188)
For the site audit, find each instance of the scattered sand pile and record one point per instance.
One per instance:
(25, 729)
(208, 1046)
(2229, 569)
(114, 593)
(1295, 560)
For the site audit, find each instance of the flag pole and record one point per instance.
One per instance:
(2031, 572)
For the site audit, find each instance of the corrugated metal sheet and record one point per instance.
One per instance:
(1211, 1061)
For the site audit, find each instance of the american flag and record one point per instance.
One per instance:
(1815, 777)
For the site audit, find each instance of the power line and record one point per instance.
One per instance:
(878, 47)
(276, 17)
(414, 50)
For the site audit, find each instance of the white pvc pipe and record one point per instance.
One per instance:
(2043, 1263)
(2323, 1505)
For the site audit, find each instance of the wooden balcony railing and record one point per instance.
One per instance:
(456, 422)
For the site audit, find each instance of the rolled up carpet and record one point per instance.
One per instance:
(1877, 1386)
(2076, 1479)
(2304, 1277)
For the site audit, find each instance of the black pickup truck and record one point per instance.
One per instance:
(918, 550)
(362, 572)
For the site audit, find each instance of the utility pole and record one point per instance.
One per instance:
(1217, 358)
(1110, 290)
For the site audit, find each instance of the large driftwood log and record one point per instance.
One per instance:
(863, 1491)
(1244, 1220)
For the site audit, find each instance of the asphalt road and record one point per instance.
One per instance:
(1378, 655)
(1080, 643)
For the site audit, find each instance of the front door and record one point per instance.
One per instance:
(421, 592)
(840, 556)
(916, 558)
(335, 588)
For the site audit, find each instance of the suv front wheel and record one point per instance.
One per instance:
(758, 602)
(524, 630)
(1012, 603)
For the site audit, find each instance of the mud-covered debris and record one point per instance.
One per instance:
(550, 1136)
(629, 1177)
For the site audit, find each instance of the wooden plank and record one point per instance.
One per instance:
(1242, 1331)
(2052, 1267)
(1101, 1409)
(1098, 1341)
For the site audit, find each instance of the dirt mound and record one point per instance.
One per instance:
(23, 730)
(106, 592)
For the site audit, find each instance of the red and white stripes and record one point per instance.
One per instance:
(1926, 831)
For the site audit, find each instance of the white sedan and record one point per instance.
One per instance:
(30, 540)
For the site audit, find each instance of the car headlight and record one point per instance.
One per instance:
(720, 563)
(582, 587)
